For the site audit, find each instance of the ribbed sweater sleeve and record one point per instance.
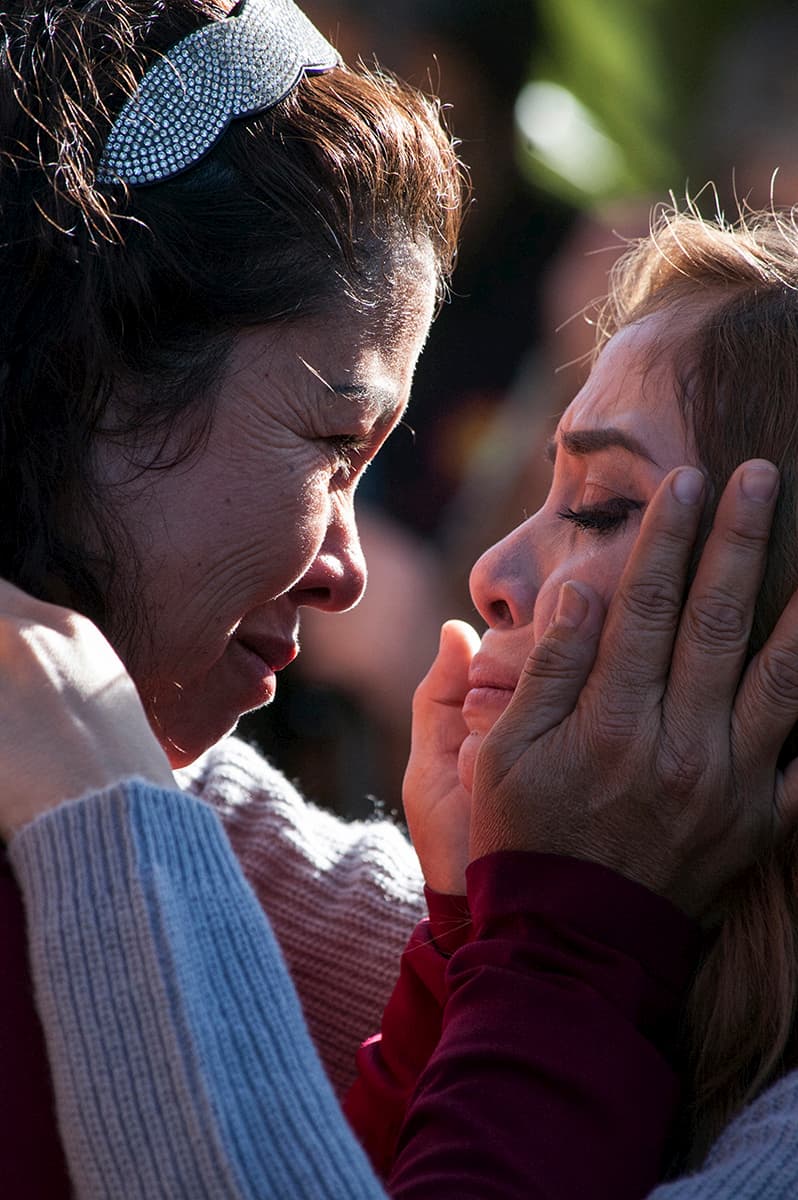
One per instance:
(756, 1156)
(180, 1057)
(342, 897)
(182, 1065)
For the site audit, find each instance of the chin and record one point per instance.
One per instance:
(184, 746)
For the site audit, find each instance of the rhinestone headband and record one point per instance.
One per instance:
(185, 101)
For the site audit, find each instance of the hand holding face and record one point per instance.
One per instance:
(639, 746)
(436, 804)
(70, 718)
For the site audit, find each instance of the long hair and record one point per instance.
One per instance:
(733, 293)
(134, 295)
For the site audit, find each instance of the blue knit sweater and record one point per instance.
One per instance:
(181, 1061)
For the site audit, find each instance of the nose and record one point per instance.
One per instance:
(336, 579)
(503, 581)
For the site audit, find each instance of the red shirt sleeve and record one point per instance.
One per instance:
(389, 1064)
(552, 1075)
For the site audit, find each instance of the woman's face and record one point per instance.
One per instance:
(260, 522)
(614, 444)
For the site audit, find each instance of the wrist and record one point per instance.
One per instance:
(449, 920)
(445, 881)
(590, 900)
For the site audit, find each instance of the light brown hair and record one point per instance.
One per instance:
(733, 293)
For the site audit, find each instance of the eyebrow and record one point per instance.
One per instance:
(382, 397)
(591, 441)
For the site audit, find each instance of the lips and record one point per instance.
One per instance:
(491, 689)
(274, 652)
(252, 661)
(484, 674)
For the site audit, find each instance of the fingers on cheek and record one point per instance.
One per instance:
(578, 614)
(767, 704)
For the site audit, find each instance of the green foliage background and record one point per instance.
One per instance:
(638, 67)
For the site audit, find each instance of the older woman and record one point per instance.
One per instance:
(222, 253)
(216, 286)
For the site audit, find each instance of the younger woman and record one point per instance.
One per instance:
(697, 363)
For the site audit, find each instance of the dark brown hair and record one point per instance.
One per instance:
(137, 293)
(733, 295)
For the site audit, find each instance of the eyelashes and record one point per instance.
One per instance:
(348, 450)
(608, 517)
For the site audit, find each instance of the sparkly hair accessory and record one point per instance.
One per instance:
(231, 68)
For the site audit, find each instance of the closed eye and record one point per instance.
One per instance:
(349, 450)
(608, 517)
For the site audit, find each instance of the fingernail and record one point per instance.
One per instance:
(688, 485)
(759, 482)
(572, 606)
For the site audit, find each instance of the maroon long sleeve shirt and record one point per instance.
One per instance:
(537, 1060)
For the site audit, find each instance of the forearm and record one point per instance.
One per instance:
(342, 898)
(552, 1075)
(180, 1058)
(182, 1066)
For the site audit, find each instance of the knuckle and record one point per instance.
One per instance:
(617, 734)
(75, 627)
(681, 766)
(616, 728)
(777, 674)
(751, 534)
(717, 619)
(70, 623)
(653, 600)
(613, 737)
(550, 659)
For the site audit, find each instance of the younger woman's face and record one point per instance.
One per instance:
(614, 444)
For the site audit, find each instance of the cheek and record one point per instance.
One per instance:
(212, 552)
(262, 545)
(248, 515)
(596, 562)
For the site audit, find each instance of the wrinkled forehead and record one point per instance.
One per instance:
(635, 377)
